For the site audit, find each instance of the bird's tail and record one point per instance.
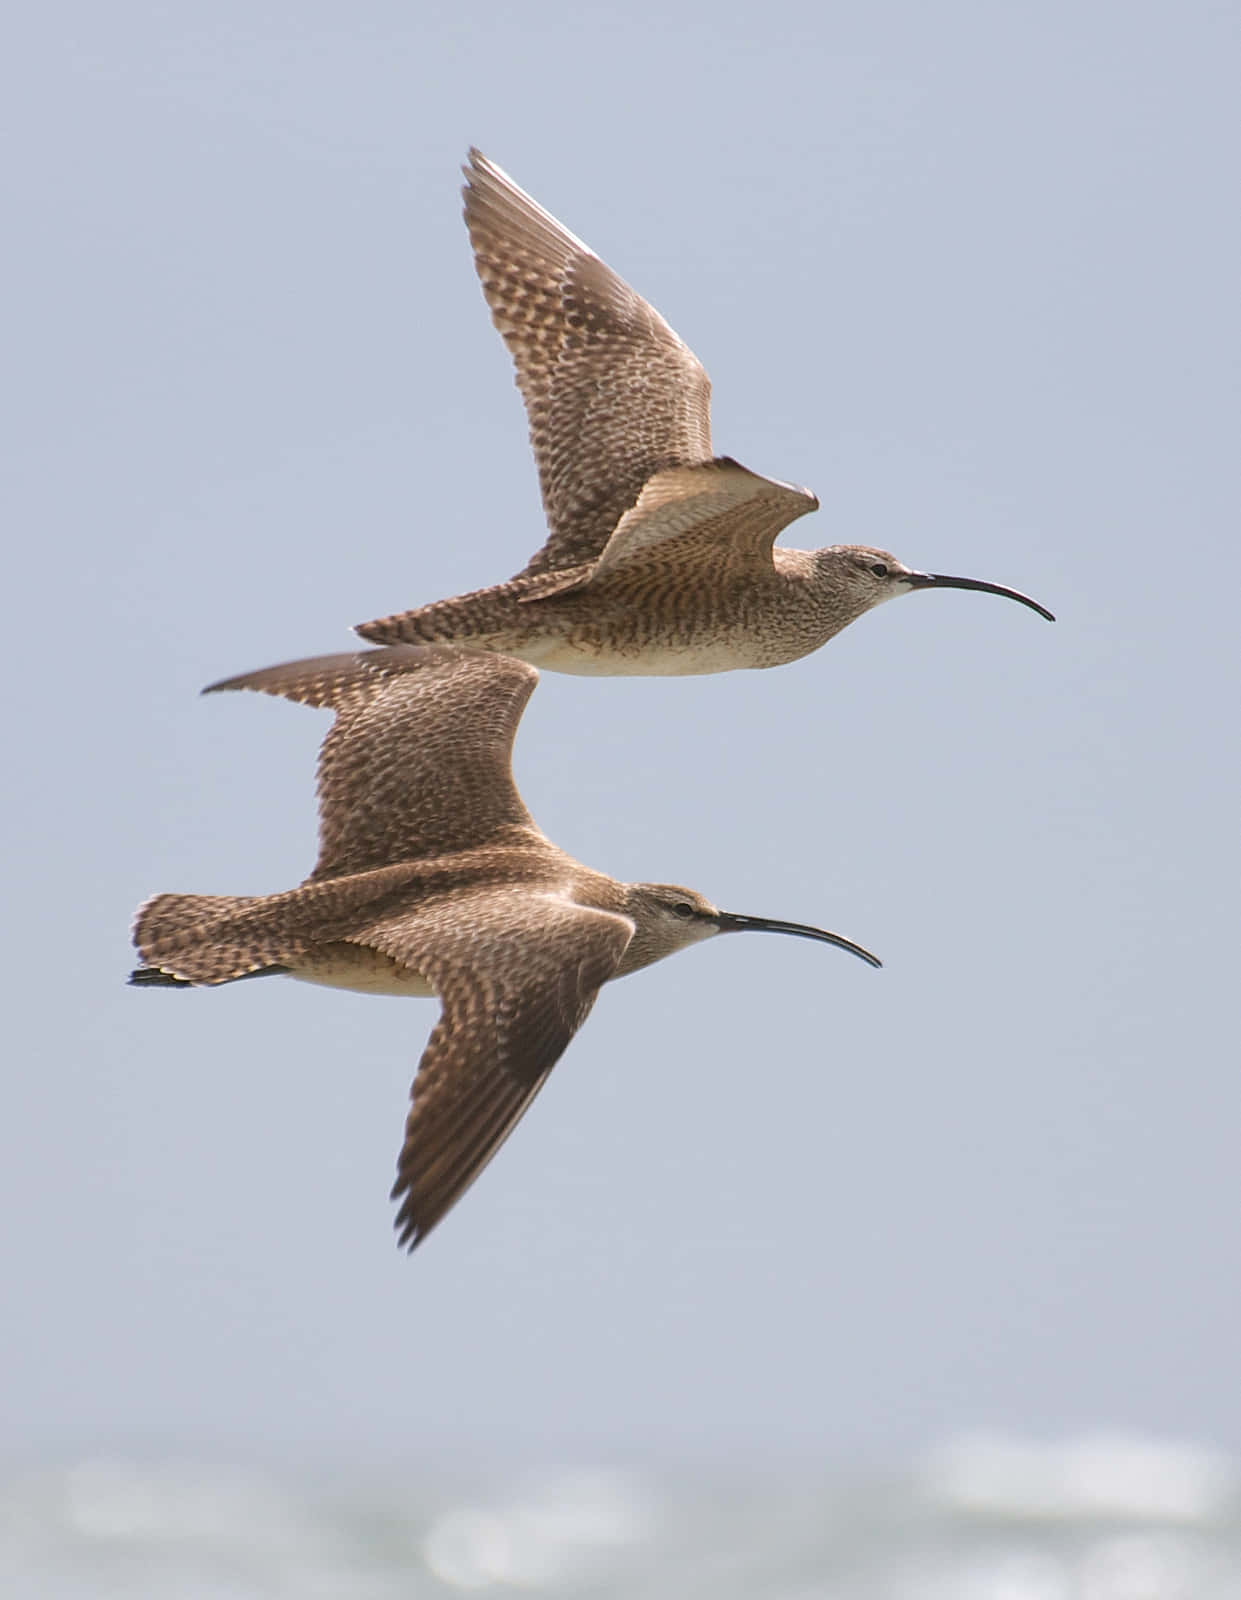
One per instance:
(486, 619)
(206, 938)
(218, 938)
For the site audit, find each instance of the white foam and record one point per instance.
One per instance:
(1091, 1476)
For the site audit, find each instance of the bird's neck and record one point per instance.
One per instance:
(818, 595)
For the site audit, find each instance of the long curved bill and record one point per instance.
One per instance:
(940, 580)
(730, 923)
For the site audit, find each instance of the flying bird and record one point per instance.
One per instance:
(661, 556)
(433, 879)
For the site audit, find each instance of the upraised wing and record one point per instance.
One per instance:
(517, 974)
(419, 759)
(611, 393)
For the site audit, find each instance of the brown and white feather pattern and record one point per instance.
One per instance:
(716, 512)
(419, 760)
(517, 971)
(689, 581)
(208, 939)
(611, 393)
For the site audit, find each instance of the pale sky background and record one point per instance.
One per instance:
(971, 272)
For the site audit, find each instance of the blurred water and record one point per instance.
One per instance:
(981, 1518)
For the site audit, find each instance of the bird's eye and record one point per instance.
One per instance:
(879, 569)
(683, 910)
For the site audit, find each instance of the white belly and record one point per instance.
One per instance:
(652, 660)
(353, 966)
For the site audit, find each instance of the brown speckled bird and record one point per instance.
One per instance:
(433, 878)
(661, 558)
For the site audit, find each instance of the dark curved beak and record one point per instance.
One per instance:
(939, 580)
(736, 924)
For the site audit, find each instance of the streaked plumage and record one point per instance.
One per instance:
(660, 557)
(433, 878)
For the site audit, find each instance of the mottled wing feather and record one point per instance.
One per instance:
(517, 974)
(714, 512)
(611, 393)
(418, 761)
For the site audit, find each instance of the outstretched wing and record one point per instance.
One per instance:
(611, 392)
(517, 974)
(419, 759)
